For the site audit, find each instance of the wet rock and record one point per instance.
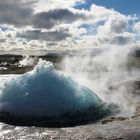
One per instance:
(112, 119)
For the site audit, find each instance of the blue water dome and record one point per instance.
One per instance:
(45, 96)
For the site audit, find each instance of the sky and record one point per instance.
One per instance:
(123, 6)
(28, 26)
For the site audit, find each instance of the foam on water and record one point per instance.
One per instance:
(45, 92)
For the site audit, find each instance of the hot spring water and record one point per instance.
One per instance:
(45, 92)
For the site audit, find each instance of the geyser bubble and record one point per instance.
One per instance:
(46, 93)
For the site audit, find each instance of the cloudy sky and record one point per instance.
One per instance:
(40, 25)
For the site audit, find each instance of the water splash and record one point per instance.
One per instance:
(47, 92)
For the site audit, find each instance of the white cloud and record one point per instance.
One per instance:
(102, 14)
(45, 5)
(137, 27)
(95, 27)
(112, 27)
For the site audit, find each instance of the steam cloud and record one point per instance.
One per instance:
(109, 74)
(27, 61)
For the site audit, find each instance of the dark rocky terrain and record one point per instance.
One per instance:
(9, 63)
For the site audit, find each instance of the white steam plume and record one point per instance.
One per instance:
(28, 61)
(108, 74)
